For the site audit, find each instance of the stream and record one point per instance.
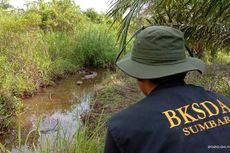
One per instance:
(56, 107)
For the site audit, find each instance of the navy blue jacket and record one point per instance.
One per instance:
(174, 118)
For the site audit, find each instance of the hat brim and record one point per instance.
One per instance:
(143, 71)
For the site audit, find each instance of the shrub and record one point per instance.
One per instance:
(98, 45)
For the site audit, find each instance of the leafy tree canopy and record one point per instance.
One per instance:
(206, 23)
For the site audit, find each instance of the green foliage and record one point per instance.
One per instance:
(58, 15)
(223, 57)
(61, 52)
(24, 62)
(94, 16)
(4, 4)
(98, 45)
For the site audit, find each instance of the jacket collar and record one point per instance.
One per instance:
(168, 84)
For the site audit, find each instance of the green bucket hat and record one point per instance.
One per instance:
(158, 51)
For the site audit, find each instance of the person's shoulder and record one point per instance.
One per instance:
(125, 115)
(128, 115)
(218, 96)
(137, 114)
(210, 93)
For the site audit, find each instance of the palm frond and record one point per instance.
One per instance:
(129, 8)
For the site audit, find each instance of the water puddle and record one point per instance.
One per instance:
(56, 109)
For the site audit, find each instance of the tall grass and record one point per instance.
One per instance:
(98, 45)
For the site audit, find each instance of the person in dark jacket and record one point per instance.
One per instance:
(174, 117)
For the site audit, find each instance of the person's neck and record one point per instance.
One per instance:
(149, 88)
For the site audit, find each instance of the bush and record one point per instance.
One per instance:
(98, 45)
(61, 48)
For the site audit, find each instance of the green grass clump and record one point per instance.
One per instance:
(97, 43)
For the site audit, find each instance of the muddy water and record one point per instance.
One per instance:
(56, 107)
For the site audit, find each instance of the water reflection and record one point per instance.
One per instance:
(66, 123)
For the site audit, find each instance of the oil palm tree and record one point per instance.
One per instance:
(206, 23)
